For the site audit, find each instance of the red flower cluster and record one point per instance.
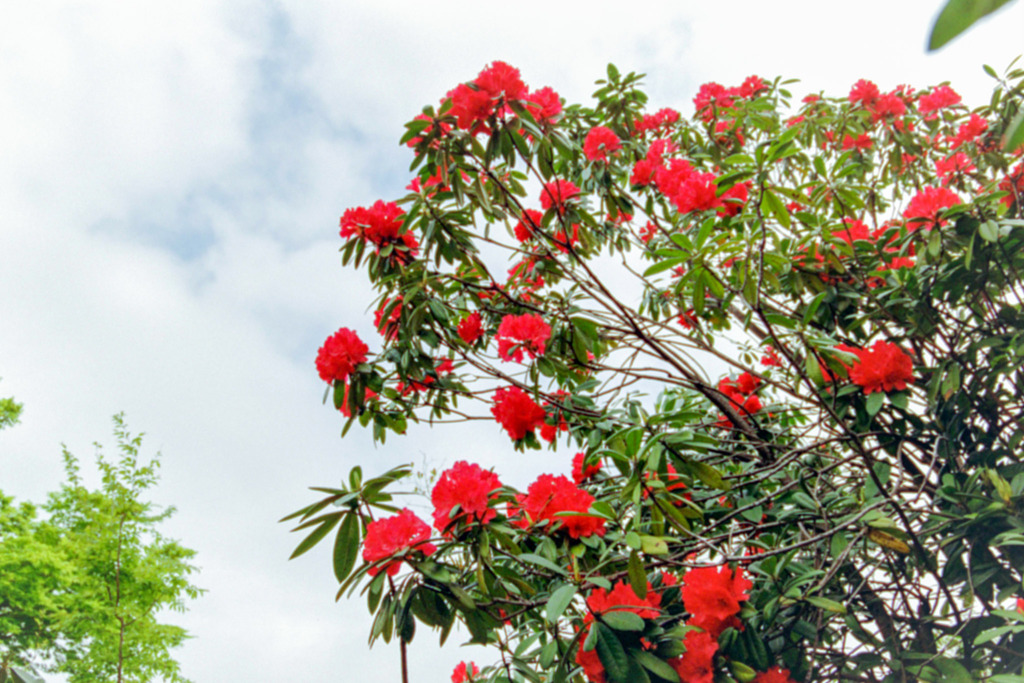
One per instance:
(464, 673)
(388, 328)
(939, 98)
(470, 487)
(773, 675)
(549, 496)
(969, 131)
(556, 422)
(518, 333)
(925, 206)
(953, 166)
(712, 596)
(381, 225)
(740, 392)
(601, 142)
(621, 598)
(340, 355)
(697, 664)
(529, 225)
(558, 193)
(399, 534)
(1014, 184)
(659, 121)
(544, 104)
(888, 106)
(712, 98)
(471, 328)
(580, 473)
(517, 412)
(883, 367)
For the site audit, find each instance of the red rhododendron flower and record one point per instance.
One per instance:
(924, 207)
(712, 595)
(463, 672)
(581, 473)
(388, 328)
(969, 130)
(381, 224)
(471, 488)
(732, 200)
(956, 164)
(556, 422)
(399, 534)
(883, 367)
(752, 86)
(697, 193)
(528, 225)
(622, 598)
(862, 141)
(643, 172)
(519, 333)
(939, 98)
(670, 178)
(589, 660)
(499, 80)
(550, 495)
(660, 121)
(771, 358)
(600, 142)
(1014, 184)
(470, 328)
(855, 230)
(887, 106)
(711, 97)
(517, 412)
(865, 92)
(470, 107)
(697, 664)
(544, 104)
(340, 355)
(773, 675)
(558, 193)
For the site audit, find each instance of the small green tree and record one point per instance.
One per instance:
(127, 573)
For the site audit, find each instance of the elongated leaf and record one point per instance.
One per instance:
(346, 547)
(957, 16)
(1015, 133)
(637, 575)
(612, 654)
(558, 601)
(317, 535)
(623, 621)
(655, 665)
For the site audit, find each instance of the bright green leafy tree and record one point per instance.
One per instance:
(86, 589)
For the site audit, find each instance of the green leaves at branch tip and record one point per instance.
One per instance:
(957, 16)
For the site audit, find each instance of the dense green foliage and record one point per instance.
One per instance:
(85, 586)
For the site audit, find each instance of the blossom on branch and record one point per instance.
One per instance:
(340, 355)
(883, 367)
(517, 412)
(470, 487)
(519, 333)
(400, 534)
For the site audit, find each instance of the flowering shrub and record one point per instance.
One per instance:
(797, 447)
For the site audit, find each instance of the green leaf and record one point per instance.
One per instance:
(1014, 137)
(637, 575)
(957, 16)
(542, 562)
(317, 535)
(346, 547)
(558, 601)
(623, 621)
(874, 402)
(826, 604)
(655, 665)
(652, 545)
(611, 653)
(708, 475)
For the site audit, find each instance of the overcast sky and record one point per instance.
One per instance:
(171, 177)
